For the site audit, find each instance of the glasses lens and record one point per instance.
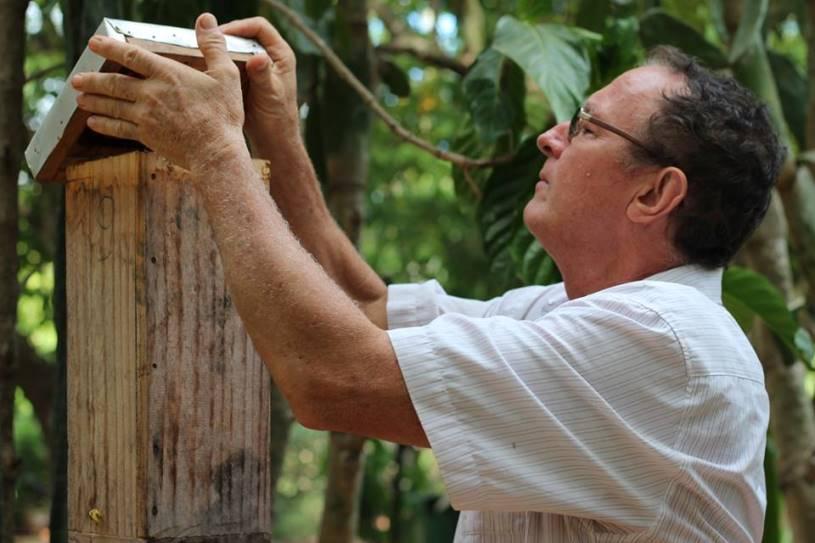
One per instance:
(573, 125)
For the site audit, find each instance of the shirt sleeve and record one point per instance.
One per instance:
(574, 413)
(418, 304)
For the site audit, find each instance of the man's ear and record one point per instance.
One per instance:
(658, 196)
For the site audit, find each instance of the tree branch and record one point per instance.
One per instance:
(42, 73)
(428, 57)
(370, 101)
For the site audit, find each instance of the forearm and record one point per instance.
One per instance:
(297, 193)
(301, 323)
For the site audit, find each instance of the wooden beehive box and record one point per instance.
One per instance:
(168, 402)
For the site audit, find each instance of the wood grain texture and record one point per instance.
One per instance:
(168, 400)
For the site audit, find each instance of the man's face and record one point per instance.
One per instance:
(586, 184)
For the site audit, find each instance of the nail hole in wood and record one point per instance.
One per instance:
(153, 259)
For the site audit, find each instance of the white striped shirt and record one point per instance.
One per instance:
(637, 413)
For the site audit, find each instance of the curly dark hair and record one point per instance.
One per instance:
(724, 140)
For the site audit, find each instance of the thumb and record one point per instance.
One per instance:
(211, 42)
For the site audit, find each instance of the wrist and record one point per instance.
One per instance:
(275, 140)
(215, 157)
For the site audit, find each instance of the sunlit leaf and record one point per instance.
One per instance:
(752, 17)
(554, 56)
(659, 28)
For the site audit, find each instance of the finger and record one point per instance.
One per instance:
(261, 30)
(109, 107)
(117, 128)
(128, 55)
(114, 85)
(258, 68)
(212, 43)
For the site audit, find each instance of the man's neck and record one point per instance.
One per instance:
(581, 278)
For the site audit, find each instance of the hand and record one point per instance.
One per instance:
(190, 117)
(271, 102)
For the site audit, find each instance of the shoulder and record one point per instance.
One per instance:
(711, 340)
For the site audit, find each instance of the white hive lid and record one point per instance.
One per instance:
(63, 137)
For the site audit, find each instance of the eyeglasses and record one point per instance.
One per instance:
(582, 115)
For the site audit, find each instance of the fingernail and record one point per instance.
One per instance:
(95, 40)
(76, 80)
(208, 21)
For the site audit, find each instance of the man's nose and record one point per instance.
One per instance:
(554, 141)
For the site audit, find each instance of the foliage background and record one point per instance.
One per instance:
(422, 220)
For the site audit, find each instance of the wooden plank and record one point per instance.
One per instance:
(209, 402)
(168, 400)
(102, 230)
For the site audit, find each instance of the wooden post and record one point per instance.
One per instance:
(168, 402)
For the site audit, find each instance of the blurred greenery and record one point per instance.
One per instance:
(422, 219)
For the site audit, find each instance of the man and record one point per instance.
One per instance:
(622, 405)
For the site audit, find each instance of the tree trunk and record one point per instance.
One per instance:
(792, 423)
(791, 419)
(345, 128)
(12, 43)
(35, 377)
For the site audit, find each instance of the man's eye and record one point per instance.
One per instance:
(582, 128)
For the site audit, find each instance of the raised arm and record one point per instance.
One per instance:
(272, 124)
(337, 369)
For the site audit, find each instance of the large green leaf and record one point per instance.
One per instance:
(508, 244)
(532, 264)
(468, 143)
(793, 90)
(752, 18)
(659, 28)
(748, 294)
(494, 89)
(554, 55)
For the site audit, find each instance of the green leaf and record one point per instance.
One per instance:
(532, 264)
(772, 517)
(591, 14)
(803, 342)
(659, 28)
(752, 18)
(793, 91)
(745, 291)
(467, 143)
(534, 9)
(620, 50)
(554, 55)
(393, 76)
(500, 211)
(494, 89)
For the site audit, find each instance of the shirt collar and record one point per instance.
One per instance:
(708, 282)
